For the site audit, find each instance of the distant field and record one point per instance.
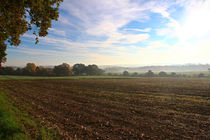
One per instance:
(141, 108)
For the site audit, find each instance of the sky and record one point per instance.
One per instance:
(121, 32)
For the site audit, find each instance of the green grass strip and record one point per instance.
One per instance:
(9, 126)
(9, 77)
(13, 122)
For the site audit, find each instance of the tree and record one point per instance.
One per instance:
(78, 69)
(7, 71)
(149, 74)
(100, 72)
(173, 74)
(20, 16)
(62, 70)
(30, 69)
(93, 70)
(125, 73)
(41, 71)
(49, 72)
(110, 74)
(19, 71)
(135, 74)
(162, 74)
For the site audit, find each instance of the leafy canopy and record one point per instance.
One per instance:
(20, 16)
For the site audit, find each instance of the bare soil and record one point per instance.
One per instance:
(144, 108)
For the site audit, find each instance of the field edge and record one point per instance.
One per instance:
(18, 124)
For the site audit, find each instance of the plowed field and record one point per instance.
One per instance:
(144, 108)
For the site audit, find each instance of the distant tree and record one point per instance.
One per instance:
(79, 69)
(116, 74)
(93, 70)
(125, 73)
(209, 69)
(135, 74)
(173, 74)
(110, 74)
(2, 72)
(7, 71)
(100, 72)
(50, 72)
(201, 75)
(30, 69)
(162, 74)
(19, 71)
(17, 17)
(42, 71)
(141, 75)
(184, 75)
(149, 74)
(62, 70)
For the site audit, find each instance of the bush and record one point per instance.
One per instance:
(149, 74)
(125, 73)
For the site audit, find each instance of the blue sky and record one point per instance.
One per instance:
(122, 32)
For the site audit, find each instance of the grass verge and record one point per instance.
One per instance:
(9, 126)
(18, 125)
(12, 77)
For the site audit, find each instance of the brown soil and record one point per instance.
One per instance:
(146, 108)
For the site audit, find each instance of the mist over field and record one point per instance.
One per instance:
(167, 68)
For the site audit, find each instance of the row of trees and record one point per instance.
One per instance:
(147, 74)
(32, 70)
(61, 70)
(80, 70)
(152, 74)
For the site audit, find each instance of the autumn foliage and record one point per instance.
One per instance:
(18, 17)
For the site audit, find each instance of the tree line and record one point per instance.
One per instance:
(81, 70)
(152, 74)
(61, 70)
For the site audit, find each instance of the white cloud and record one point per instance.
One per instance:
(132, 38)
(104, 18)
(160, 8)
(138, 30)
(172, 30)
